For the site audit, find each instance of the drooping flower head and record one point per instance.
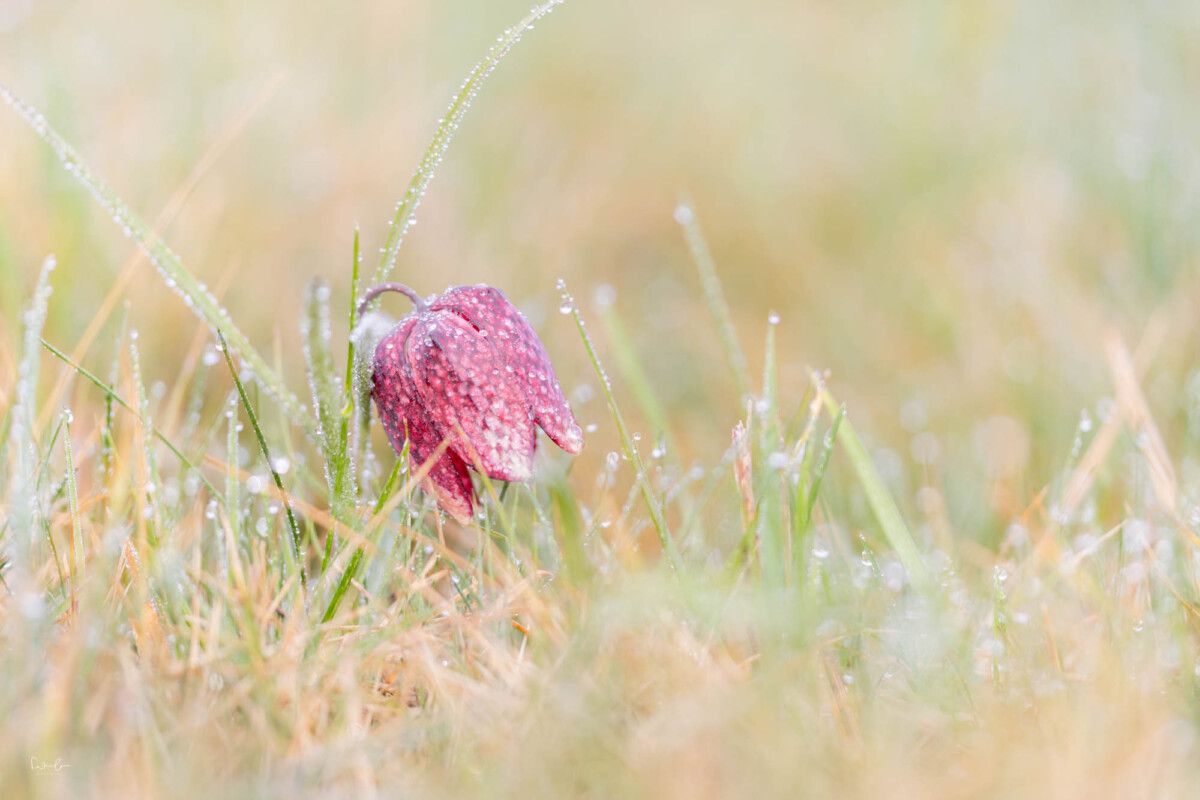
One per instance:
(466, 368)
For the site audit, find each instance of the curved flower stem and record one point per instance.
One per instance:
(375, 291)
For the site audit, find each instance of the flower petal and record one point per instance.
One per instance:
(525, 358)
(405, 418)
(462, 382)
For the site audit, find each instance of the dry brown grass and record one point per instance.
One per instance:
(977, 217)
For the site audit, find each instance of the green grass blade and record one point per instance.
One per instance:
(714, 297)
(44, 464)
(148, 454)
(195, 295)
(349, 418)
(806, 501)
(22, 500)
(111, 395)
(266, 453)
(343, 584)
(406, 209)
(323, 382)
(770, 388)
(108, 442)
(631, 369)
(75, 550)
(566, 507)
(627, 445)
(769, 480)
(882, 504)
(356, 560)
(233, 492)
(318, 358)
(821, 464)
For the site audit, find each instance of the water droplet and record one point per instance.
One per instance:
(605, 295)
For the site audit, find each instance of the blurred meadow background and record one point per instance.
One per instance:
(976, 220)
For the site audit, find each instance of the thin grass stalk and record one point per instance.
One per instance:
(112, 396)
(351, 570)
(195, 295)
(806, 497)
(714, 296)
(882, 504)
(769, 476)
(233, 498)
(322, 380)
(349, 418)
(627, 444)
(75, 550)
(266, 454)
(150, 459)
(22, 503)
(631, 370)
(405, 214)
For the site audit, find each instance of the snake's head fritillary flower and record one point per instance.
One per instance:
(465, 368)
